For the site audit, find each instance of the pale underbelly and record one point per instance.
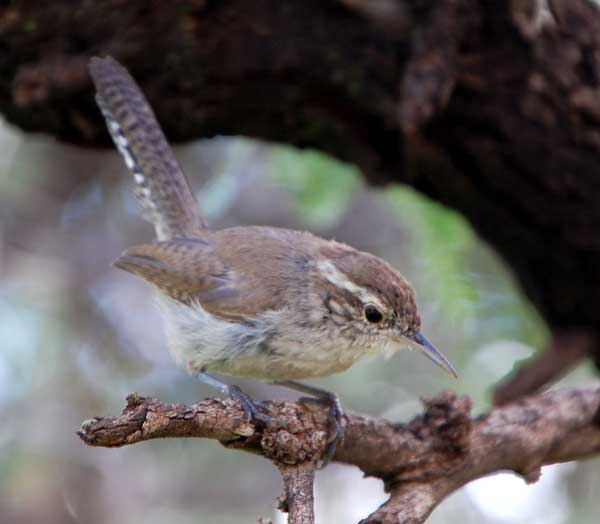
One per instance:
(290, 362)
(199, 342)
(274, 368)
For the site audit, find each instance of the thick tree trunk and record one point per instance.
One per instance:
(490, 107)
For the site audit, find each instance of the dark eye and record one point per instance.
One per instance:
(372, 314)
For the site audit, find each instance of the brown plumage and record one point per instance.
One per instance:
(218, 268)
(161, 186)
(260, 302)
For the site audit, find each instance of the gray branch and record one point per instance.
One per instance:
(421, 462)
(298, 500)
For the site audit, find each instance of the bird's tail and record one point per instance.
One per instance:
(161, 186)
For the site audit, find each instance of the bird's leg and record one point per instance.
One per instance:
(251, 407)
(336, 421)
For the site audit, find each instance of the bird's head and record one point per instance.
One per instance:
(365, 294)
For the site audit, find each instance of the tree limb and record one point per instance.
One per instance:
(298, 498)
(565, 350)
(420, 462)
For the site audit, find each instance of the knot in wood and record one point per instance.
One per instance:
(446, 422)
(302, 439)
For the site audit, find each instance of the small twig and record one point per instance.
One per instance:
(298, 500)
(565, 350)
(407, 506)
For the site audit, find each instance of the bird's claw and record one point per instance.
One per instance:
(336, 428)
(253, 409)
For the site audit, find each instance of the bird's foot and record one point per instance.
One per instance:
(253, 409)
(336, 428)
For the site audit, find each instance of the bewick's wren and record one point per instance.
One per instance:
(258, 302)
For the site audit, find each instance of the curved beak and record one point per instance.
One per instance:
(430, 351)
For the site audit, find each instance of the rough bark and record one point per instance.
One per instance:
(421, 462)
(489, 107)
(298, 500)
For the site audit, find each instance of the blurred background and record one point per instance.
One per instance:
(78, 336)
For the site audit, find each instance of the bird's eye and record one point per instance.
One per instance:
(372, 314)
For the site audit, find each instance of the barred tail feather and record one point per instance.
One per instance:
(161, 186)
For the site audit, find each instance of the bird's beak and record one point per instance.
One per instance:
(421, 343)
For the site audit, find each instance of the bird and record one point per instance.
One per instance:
(259, 302)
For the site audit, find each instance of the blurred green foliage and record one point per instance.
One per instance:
(77, 336)
(322, 187)
(469, 281)
(442, 239)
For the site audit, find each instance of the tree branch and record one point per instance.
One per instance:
(298, 498)
(420, 462)
(565, 350)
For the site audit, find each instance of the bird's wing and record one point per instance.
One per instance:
(185, 269)
(237, 273)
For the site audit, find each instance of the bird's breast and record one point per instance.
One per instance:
(272, 346)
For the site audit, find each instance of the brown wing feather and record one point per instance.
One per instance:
(184, 269)
(234, 273)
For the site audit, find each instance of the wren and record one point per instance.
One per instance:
(264, 303)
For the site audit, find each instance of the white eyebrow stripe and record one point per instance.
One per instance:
(337, 278)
